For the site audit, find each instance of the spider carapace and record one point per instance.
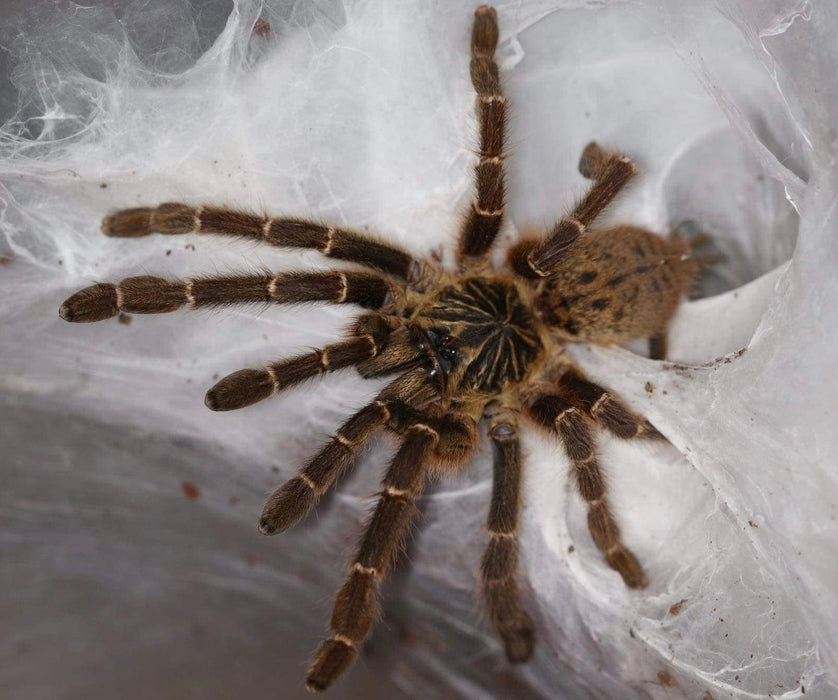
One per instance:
(478, 337)
(461, 346)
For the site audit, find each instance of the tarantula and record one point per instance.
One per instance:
(477, 344)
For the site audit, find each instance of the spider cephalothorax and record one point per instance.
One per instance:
(463, 346)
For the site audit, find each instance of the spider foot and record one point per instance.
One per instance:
(95, 303)
(333, 657)
(625, 563)
(518, 642)
(240, 389)
(592, 160)
(167, 218)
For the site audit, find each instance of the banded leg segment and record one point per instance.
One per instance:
(604, 407)
(610, 173)
(572, 427)
(500, 561)
(296, 497)
(484, 219)
(356, 604)
(154, 295)
(176, 218)
(248, 386)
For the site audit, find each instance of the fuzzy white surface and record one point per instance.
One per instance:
(362, 113)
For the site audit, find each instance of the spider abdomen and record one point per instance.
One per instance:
(496, 333)
(617, 284)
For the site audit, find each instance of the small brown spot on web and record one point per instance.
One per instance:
(708, 696)
(664, 678)
(191, 491)
(649, 387)
(676, 608)
(753, 524)
(6, 260)
(571, 549)
(103, 185)
(124, 319)
(263, 28)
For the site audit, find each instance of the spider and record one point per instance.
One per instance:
(465, 346)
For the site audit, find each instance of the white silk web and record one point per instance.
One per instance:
(130, 561)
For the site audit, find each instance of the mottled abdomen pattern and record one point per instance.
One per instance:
(490, 321)
(618, 284)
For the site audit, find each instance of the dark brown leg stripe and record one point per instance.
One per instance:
(503, 512)
(492, 127)
(337, 287)
(230, 222)
(367, 251)
(572, 427)
(340, 243)
(223, 291)
(356, 605)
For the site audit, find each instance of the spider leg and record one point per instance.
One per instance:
(174, 218)
(296, 497)
(658, 346)
(610, 173)
(606, 409)
(484, 219)
(500, 561)
(248, 386)
(556, 414)
(154, 295)
(289, 503)
(356, 604)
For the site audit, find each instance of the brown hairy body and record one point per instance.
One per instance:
(464, 346)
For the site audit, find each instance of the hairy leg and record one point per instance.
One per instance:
(610, 173)
(248, 386)
(500, 562)
(356, 604)
(176, 218)
(605, 408)
(154, 295)
(484, 219)
(391, 409)
(571, 426)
